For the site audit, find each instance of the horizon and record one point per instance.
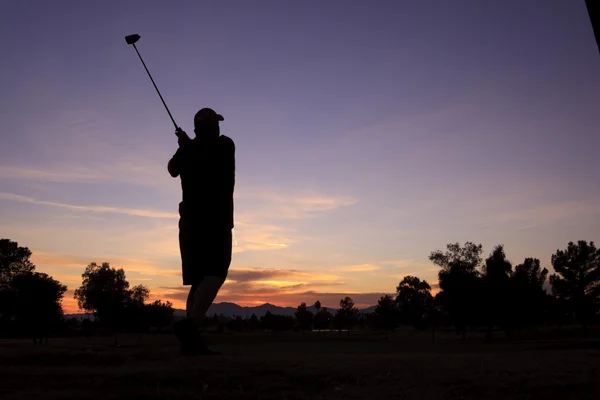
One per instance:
(363, 143)
(309, 306)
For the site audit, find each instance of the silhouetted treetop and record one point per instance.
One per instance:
(37, 301)
(496, 266)
(304, 316)
(14, 260)
(386, 313)
(577, 278)
(577, 270)
(530, 273)
(414, 299)
(139, 295)
(466, 258)
(103, 289)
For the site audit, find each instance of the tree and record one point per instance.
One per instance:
(304, 317)
(159, 314)
(30, 302)
(138, 295)
(253, 322)
(37, 303)
(318, 306)
(528, 300)
(496, 289)
(577, 278)
(413, 297)
(322, 319)
(135, 311)
(14, 260)
(276, 323)
(104, 292)
(236, 324)
(459, 279)
(386, 313)
(347, 315)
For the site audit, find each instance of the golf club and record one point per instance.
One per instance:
(132, 39)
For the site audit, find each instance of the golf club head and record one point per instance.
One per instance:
(132, 39)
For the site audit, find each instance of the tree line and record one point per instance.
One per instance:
(474, 293)
(31, 301)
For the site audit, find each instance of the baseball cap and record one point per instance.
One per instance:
(208, 114)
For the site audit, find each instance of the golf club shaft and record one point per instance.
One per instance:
(594, 13)
(157, 91)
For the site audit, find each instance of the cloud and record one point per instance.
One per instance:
(293, 205)
(358, 268)
(283, 298)
(541, 213)
(137, 172)
(251, 284)
(263, 288)
(67, 174)
(57, 264)
(258, 236)
(96, 209)
(249, 236)
(252, 274)
(408, 263)
(59, 260)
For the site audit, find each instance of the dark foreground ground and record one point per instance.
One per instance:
(296, 366)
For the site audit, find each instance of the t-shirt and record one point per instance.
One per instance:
(206, 167)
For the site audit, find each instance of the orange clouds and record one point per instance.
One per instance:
(290, 298)
(254, 286)
(258, 237)
(142, 266)
(359, 268)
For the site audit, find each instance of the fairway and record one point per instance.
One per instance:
(296, 366)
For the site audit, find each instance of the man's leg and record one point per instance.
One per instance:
(216, 258)
(189, 305)
(217, 261)
(203, 297)
(199, 300)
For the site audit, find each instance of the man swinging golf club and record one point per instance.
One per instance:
(206, 166)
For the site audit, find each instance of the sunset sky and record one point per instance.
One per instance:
(368, 134)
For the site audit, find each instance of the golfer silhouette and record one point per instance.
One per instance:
(206, 166)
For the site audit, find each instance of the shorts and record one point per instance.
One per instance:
(204, 252)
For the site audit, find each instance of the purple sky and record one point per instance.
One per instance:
(366, 136)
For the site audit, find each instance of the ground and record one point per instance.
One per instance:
(296, 366)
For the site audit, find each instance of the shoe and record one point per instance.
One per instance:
(186, 331)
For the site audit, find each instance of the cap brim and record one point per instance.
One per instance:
(220, 117)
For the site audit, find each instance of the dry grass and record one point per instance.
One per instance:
(294, 366)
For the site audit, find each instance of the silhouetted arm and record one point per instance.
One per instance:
(174, 165)
(229, 170)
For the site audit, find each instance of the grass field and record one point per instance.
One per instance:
(296, 366)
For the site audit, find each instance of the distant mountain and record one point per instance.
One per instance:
(234, 310)
(368, 310)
